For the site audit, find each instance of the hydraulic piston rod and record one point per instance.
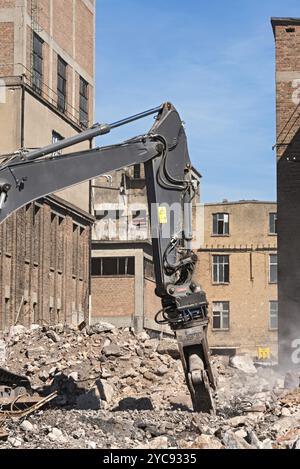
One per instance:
(89, 134)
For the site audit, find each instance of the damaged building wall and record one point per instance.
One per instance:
(287, 41)
(237, 269)
(44, 267)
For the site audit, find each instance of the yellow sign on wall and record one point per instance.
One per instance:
(162, 215)
(264, 353)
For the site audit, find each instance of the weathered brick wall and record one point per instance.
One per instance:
(63, 24)
(7, 3)
(84, 37)
(6, 49)
(287, 39)
(36, 279)
(152, 304)
(113, 296)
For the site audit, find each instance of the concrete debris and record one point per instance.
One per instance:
(26, 426)
(118, 389)
(243, 363)
(292, 380)
(100, 327)
(233, 441)
(168, 347)
(53, 336)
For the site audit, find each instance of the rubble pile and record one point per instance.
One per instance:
(117, 389)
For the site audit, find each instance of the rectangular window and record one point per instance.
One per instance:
(221, 315)
(273, 319)
(84, 103)
(75, 257)
(221, 224)
(137, 171)
(61, 84)
(221, 269)
(273, 268)
(37, 63)
(108, 214)
(273, 223)
(60, 244)
(113, 266)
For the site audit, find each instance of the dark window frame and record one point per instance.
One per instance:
(122, 266)
(273, 223)
(273, 315)
(62, 70)
(37, 63)
(222, 314)
(83, 102)
(220, 226)
(221, 269)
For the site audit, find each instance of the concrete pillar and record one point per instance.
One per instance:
(138, 320)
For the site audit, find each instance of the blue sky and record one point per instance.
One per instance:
(215, 61)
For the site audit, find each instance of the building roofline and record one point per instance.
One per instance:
(281, 21)
(68, 206)
(197, 172)
(241, 202)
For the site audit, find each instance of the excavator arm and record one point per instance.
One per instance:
(28, 176)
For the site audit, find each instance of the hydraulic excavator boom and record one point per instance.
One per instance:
(28, 176)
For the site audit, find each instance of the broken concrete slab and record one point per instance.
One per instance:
(243, 363)
(168, 347)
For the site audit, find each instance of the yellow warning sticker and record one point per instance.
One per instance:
(162, 215)
(264, 353)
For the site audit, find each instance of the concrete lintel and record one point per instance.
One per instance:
(287, 76)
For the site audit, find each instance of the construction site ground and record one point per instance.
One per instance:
(117, 389)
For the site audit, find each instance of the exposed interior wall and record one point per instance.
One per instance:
(249, 291)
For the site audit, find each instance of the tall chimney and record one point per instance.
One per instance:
(287, 40)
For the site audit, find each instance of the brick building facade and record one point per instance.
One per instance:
(47, 93)
(237, 269)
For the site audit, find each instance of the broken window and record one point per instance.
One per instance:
(139, 218)
(108, 214)
(273, 223)
(221, 224)
(56, 137)
(273, 268)
(221, 315)
(113, 266)
(149, 269)
(221, 269)
(273, 319)
(37, 63)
